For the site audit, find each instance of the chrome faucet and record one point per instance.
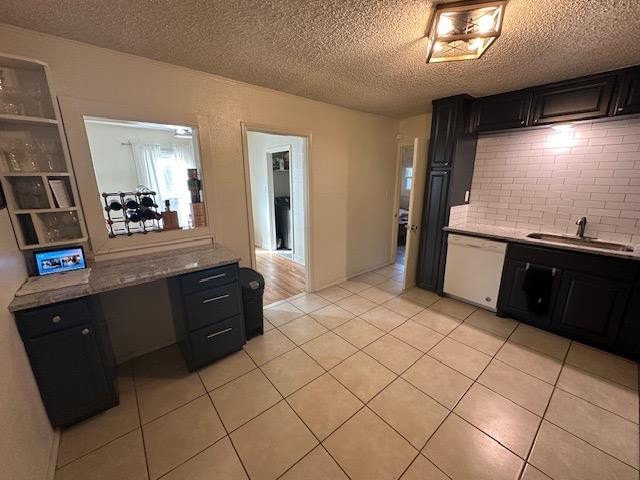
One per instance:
(582, 224)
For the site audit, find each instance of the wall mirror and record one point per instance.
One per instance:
(149, 175)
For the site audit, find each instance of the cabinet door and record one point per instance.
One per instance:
(498, 112)
(590, 307)
(574, 100)
(435, 215)
(443, 133)
(71, 374)
(629, 95)
(512, 299)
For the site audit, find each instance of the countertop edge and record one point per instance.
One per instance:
(35, 300)
(504, 236)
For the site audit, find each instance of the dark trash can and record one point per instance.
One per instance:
(252, 284)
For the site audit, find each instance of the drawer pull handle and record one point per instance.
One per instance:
(226, 330)
(56, 319)
(85, 331)
(216, 298)
(212, 277)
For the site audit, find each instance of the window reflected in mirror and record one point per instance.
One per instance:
(148, 175)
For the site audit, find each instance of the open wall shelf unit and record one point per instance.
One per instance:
(35, 167)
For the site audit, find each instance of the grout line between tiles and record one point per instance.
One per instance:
(303, 422)
(367, 403)
(544, 414)
(224, 427)
(593, 404)
(451, 411)
(144, 443)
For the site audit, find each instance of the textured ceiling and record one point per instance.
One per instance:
(367, 54)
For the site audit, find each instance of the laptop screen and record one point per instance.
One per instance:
(63, 260)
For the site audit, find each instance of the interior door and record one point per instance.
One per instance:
(415, 211)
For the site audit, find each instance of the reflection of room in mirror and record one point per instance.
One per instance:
(135, 156)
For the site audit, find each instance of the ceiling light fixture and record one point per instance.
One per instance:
(464, 30)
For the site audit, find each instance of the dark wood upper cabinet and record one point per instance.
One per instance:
(499, 112)
(574, 100)
(443, 133)
(452, 150)
(628, 100)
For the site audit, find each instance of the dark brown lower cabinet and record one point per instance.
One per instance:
(594, 298)
(73, 366)
(514, 298)
(590, 307)
(207, 314)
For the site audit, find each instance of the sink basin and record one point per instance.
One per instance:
(582, 242)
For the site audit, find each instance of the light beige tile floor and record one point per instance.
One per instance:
(357, 383)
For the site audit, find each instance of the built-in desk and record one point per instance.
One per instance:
(67, 340)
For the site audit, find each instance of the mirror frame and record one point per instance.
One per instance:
(73, 112)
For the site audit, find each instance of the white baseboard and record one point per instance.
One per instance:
(344, 279)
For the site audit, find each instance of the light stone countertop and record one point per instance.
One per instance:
(520, 236)
(135, 270)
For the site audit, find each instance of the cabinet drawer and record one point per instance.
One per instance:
(193, 282)
(213, 342)
(52, 318)
(211, 306)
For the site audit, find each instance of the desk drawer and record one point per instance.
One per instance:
(211, 306)
(211, 343)
(53, 318)
(213, 277)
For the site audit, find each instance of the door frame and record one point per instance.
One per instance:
(396, 201)
(247, 127)
(272, 193)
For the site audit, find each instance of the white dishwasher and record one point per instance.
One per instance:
(473, 269)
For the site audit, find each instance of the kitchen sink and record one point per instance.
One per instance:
(582, 242)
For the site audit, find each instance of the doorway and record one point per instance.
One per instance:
(277, 186)
(410, 186)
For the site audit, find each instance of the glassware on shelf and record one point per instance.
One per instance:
(10, 151)
(69, 226)
(30, 160)
(35, 94)
(30, 193)
(10, 103)
(52, 227)
(50, 154)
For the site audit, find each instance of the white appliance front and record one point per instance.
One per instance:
(473, 269)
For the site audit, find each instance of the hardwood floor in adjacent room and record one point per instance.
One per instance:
(283, 277)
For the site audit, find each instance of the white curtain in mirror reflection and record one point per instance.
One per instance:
(163, 169)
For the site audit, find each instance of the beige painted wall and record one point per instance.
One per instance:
(412, 127)
(352, 153)
(27, 437)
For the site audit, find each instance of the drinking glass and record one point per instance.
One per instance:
(52, 230)
(30, 159)
(49, 153)
(10, 150)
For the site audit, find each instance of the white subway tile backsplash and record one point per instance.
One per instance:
(544, 180)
